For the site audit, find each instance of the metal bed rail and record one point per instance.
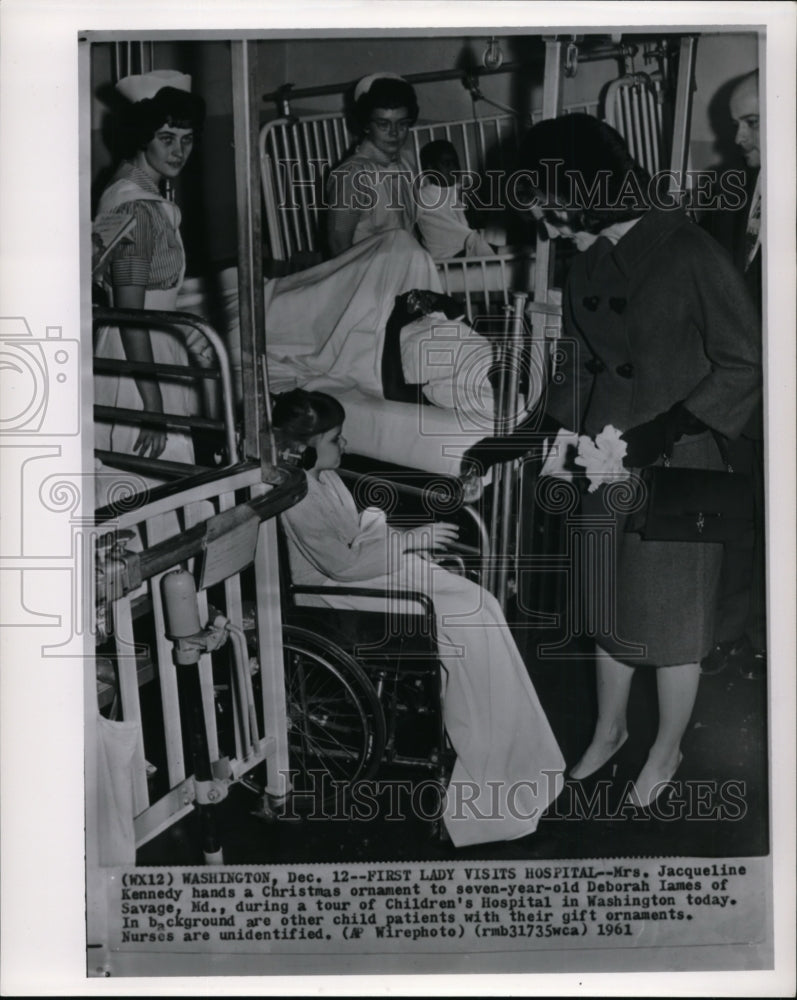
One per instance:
(190, 528)
(297, 154)
(174, 321)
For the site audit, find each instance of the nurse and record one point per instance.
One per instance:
(372, 190)
(158, 129)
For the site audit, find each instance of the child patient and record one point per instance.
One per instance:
(509, 766)
(441, 210)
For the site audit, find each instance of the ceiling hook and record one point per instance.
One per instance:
(571, 59)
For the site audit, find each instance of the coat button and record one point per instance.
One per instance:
(591, 302)
(618, 305)
(595, 366)
(626, 370)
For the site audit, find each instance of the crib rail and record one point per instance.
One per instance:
(296, 155)
(173, 321)
(183, 529)
(635, 106)
(486, 283)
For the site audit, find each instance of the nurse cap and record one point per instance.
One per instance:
(368, 81)
(146, 85)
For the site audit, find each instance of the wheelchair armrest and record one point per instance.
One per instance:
(415, 596)
(427, 614)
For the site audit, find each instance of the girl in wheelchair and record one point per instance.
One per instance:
(508, 764)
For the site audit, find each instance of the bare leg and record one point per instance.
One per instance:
(677, 690)
(614, 685)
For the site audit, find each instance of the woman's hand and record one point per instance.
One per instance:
(428, 537)
(137, 345)
(655, 439)
(647, 443)
(151, 442)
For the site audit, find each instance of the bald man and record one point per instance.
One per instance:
(743, 106)
(740, 637)
(745, 114)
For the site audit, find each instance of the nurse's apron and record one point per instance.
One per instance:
(168, 347)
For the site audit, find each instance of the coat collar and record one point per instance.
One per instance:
(655, 226)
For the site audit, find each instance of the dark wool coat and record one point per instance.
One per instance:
(659, 318)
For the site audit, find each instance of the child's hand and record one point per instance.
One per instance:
(430, 536)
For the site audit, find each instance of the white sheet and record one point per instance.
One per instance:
(326, 325)
(419, 437)
(325, 330)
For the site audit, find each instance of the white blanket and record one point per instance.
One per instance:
(325, 326)
(325, 330)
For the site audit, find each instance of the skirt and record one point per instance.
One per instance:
(659, 597)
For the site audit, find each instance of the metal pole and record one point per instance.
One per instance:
(544, 257)
(287, 92)
(543, 269)
(191, 711)
(682, 115)
(514, 357)
(250, 262)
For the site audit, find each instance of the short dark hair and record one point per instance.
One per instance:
(570, 155)
(384, 92)
(300, 415)
(432, 151)
(170, 106)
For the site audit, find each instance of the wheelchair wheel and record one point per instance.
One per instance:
(336, 729)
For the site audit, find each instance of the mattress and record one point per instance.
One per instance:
(418, 437)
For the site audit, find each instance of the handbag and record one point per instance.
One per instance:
(693, 505)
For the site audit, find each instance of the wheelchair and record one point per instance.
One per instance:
(363, 688)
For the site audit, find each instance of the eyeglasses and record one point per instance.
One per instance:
(386, 125)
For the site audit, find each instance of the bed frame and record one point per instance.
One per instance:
(192, 526)
(297, 154)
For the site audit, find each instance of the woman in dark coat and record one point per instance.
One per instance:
(664, 346)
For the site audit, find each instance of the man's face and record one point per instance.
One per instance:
(745, 115)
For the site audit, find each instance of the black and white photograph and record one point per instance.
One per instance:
(414, 555)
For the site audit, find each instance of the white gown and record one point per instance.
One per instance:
(509, 767)
(442, 224)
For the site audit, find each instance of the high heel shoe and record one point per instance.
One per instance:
(598, 767)
(650, 791)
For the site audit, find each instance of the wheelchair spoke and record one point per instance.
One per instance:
(335, 725)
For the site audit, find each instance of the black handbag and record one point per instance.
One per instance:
(693, 505)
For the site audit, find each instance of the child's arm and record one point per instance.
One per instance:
(367, 553)
(324, 543)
